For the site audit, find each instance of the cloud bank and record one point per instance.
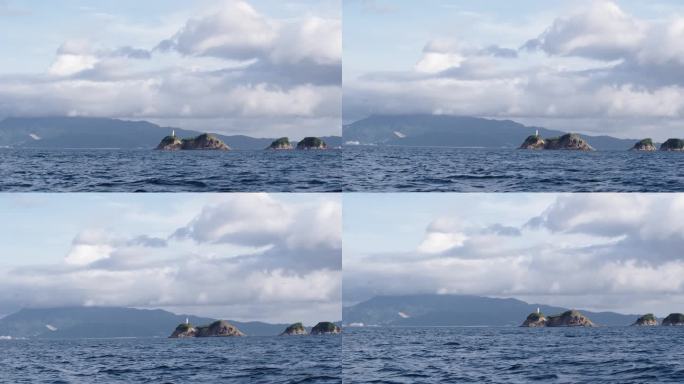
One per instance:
(244, 257)
(598, 251)
(228, 69)
(596, 69)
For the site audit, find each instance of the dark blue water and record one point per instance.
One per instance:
(514, 355)
(157, 171)
(404, 169)
(309, 359)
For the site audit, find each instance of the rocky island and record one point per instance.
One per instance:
(647, 320)
(569, 141)
(282, 143)
(295, 329)
(204, 141)
(311, 143)
(219, 328)
(535, 320)
(645, 145)
(570, 318)
(674, 319)
(672, 145)
(325, 328)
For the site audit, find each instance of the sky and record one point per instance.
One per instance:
(264, 68)
(245, 257)
(602, 252)
(592, 67)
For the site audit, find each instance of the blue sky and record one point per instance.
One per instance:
(263, 67)
(273, 258)
(599, 67)
(616, 252)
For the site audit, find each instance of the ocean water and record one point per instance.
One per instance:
(407, 169)
(78, 170)
(309, 359)
(514, 355)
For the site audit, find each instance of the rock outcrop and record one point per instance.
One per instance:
(569, 141)
(535, 320)
(674, 319)
(533, 142)
(204, 141)
(282, 143)
(672, 145)
(325, 328)
(311, 143)
(569, 319)
(219, 328)
(646, 320)
(294, 330)
(645, 145)
(184, 330)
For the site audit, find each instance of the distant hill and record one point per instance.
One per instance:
(88, 132)
(107, 322)
(458, 310)
(456, 131)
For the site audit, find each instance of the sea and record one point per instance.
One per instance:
(144, 170)
(514, 355)
(435, 169)
(253, 359)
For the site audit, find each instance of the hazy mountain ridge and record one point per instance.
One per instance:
(458, 310)
(108, 322)
(90, 132)
(456, 131)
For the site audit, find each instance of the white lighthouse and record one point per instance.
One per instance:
(538, 311)
(536, 132)
(188, 321)
(173, 133)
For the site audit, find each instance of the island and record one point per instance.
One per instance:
(535, 320)
(311, 143)
(645, 145)
(647, 320)
(295, 329)
(219, 328)
(326, 328)
(674, 319)
(571, 318)
(280, 144)
(204, 141)
(569, 141)
(672, 145)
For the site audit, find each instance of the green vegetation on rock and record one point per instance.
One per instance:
(325, 327)
(672, 145)
(312, 143)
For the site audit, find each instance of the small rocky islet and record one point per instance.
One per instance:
(322, 328)
(673, 319)
(219, 328)
(306, 143)
(204, 141)
(647, 320)
(571, 318)
(569, 141)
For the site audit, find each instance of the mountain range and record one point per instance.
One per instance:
(456, 131)
(458, 310)
(90, 132)
(108, 322)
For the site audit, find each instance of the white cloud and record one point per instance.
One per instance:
(597, 251)
(596, 63)
(229, 63)
(244, 257)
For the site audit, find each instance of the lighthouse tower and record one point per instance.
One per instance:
(173, 133)
(538, 311)
(536, 133)
(187, 321)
